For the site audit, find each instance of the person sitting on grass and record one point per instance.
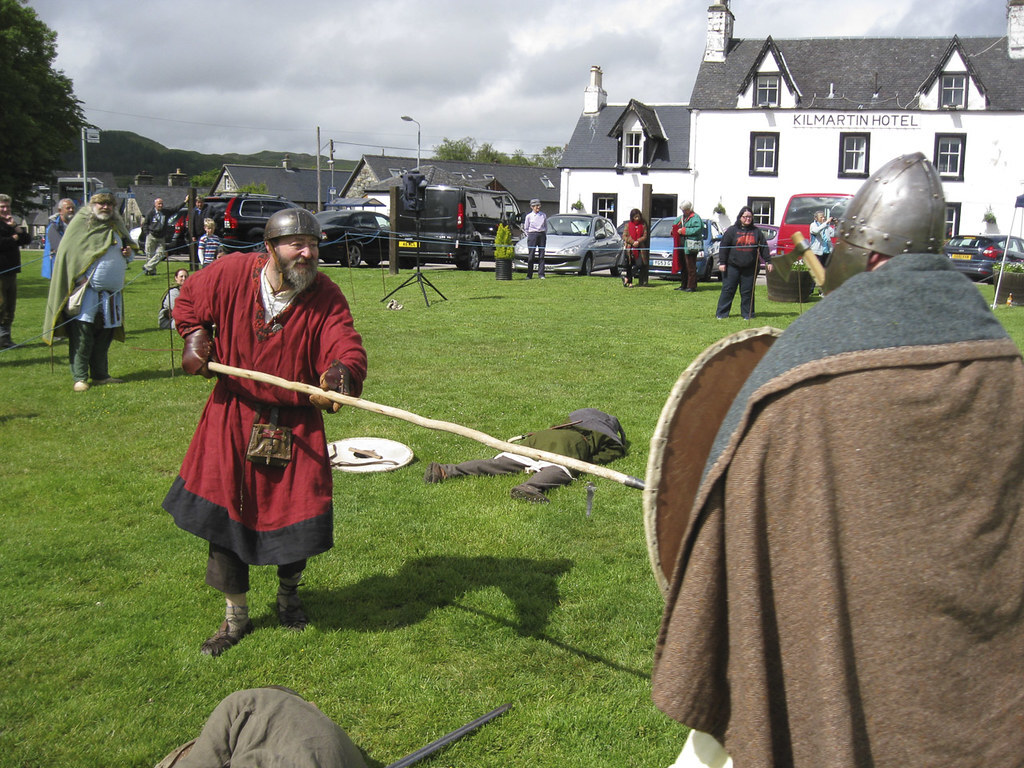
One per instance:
(589, 435)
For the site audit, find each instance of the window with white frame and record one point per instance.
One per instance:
(764, 154)
(605, 205)
(766, 91)
(953, 91)
(854, 155)
(763, 209)
(949, 155)
(952, 219)
(633, 148)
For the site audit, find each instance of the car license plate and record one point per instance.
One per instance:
(966, 256)
(406, 244)
(661, 263)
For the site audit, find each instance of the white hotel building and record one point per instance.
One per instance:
(771, 118)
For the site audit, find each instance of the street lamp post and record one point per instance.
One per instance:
(410, 120)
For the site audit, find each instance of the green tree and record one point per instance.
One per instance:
(455, 149)
(40, 117)
(256, 188)
(205, 179)
(550, 157)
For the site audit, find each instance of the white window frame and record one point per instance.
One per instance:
(767, 90)
(633, 148)
(854, 160)
(950, 152)
(953, 90)
(764, 154)
(606, 204)
(763, 209)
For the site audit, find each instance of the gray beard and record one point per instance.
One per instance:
(103, 215)
(296, 279)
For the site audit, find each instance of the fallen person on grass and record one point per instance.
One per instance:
(589, 435)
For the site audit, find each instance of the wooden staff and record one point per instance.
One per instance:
(441, 426)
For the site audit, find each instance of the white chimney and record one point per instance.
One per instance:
(1015, 29)
(720, 21)
(594, 98)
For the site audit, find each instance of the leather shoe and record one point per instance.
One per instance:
(224, 638)
(528, 493)
(108, 380)
(434, 474)
(290, 613)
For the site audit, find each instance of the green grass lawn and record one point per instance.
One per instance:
(437, 604)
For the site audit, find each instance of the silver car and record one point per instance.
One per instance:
(578, 243)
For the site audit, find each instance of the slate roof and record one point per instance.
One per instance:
(296, 184)
(145, 194)
(855, 67)
(524, 182)
(594, 145)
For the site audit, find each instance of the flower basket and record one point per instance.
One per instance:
(796, 288)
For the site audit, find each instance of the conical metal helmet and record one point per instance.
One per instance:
(292, 221)
(900, 209)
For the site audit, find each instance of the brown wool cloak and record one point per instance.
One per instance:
(850, 589)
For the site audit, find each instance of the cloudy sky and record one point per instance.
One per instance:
(248, 75)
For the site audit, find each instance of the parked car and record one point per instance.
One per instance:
(800, 213)
(662, 245)
(457, 225)
(577, 242)
(242, 217)
(976, 255)
(350, 237)
(771, 234)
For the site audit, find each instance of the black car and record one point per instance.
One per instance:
(353, 236)
(456, 225)
(242, 218)
(976, 255)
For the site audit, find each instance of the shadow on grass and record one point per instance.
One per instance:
(380, 603)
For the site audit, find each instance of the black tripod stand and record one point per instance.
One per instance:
(417, 277)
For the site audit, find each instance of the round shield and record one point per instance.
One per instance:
(368, 454)
(683, 439)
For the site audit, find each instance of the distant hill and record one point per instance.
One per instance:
(125, 154)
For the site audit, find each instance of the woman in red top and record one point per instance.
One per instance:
(635, 236)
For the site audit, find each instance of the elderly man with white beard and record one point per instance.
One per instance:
(85, 302)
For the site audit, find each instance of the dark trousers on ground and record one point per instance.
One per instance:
(690, 265)
(8, 297)
(544, 480)
(535, 242)
(226, 573)
(744, 279)
(88, 346)
(637, 264)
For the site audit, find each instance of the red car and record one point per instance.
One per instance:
(800, 213)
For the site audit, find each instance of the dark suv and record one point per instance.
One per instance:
(457, 225)
(242, 217)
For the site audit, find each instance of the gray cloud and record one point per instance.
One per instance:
(246, 76)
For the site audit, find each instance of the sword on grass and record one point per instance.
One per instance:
(442, 426)
(448, 738)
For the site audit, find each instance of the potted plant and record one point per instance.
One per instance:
(1009, 288)
(578, 206)
(503, 253)
(796, 287)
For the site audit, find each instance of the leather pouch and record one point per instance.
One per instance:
(270, 443)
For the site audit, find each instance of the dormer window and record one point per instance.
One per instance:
(766, 91)
(548, 184)
(633, 148)
(953, 91)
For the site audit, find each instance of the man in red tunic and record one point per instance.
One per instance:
(259, 501)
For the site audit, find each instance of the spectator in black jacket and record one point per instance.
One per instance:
(13, 235)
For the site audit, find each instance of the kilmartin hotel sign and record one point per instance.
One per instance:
(847, 120)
